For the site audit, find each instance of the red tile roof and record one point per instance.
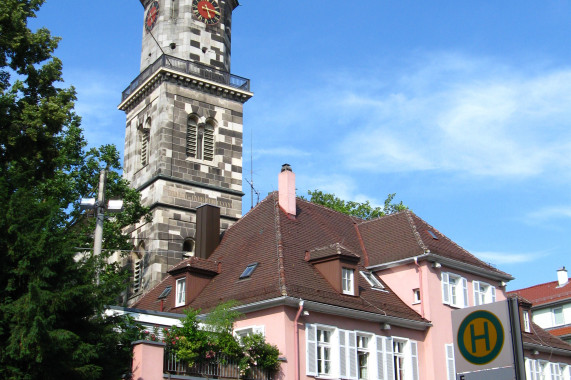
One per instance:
(561, 331)
(279, 243)
(544, 294)
(540, 337)
(404, 235)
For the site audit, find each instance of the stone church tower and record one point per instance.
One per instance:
(183, 137)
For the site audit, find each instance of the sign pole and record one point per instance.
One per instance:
(517, 342)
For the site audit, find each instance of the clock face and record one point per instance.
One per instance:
(152, 16)
(206, 11)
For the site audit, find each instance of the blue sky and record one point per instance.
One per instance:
(462, 108)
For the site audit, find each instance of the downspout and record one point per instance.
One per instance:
(296, 340)
(420, 289)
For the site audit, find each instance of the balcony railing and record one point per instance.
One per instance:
(222, 369)
(187, 67)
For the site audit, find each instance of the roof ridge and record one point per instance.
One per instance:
(535, 286)
(351, 217)
(456, 244)
(364, 221)
(279, 245)
(415, 231)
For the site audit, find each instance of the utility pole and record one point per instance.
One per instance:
(100, 207)
(100, 213)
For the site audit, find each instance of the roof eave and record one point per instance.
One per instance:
(547, 349)
(334, 310)
(451, 263)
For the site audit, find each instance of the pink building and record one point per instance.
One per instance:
(339, 296)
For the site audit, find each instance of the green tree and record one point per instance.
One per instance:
(52, 321)
(363, 210)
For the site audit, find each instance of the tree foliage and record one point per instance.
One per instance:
(52, 323)
(212, 341)
(363, 210)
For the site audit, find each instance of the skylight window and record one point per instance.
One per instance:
(248, 271)
(372, 280)
(433, 235)
(165, 293)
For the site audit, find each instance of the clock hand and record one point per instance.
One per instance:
(208, 9)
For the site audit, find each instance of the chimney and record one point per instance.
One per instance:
(207, 230)
(562, 276)
(286, 187)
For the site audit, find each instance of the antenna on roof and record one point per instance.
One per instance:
(251, 181)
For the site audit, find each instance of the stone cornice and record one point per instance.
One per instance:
(186, 80)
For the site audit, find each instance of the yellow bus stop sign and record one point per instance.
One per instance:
(480, 337)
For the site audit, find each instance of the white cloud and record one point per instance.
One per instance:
(448, 113)
(549, 213)
(508, 258)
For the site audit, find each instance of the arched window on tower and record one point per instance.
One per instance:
(144, 135)
(200, 139)
(188, 247)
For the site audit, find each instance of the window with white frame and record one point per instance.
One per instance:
(543, 369)
(398, 359)
(347, 281)
(483, 293)
(363, 354)
(337, 353)
(324, 344)
(526, 324)
(372, 280)
(556, 372)
(558, 317)
(180, 292)
(450, 364)
(250, 330)
(454, 290)
(415, 296)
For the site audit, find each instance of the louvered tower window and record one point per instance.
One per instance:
(144, 134)
(191, 136)
(137, 258)
(200, 139)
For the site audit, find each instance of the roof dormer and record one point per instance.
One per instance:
(190, 278)
(338, 265)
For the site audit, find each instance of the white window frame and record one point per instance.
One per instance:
(483, 293)
(556, 373)
(344, 354)
(454, 290)
(365, 350)
(348, 281)
(372, 280)
(325, 349)
(526, 323)
(249, 330)
(180, 295)
(416, 299)
(555, 318)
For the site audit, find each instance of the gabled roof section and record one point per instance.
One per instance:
(403, 235)
(542, 340)
(545, 294)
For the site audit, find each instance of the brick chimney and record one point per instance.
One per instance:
(207, 230)
(286, 187)
(562, 277)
